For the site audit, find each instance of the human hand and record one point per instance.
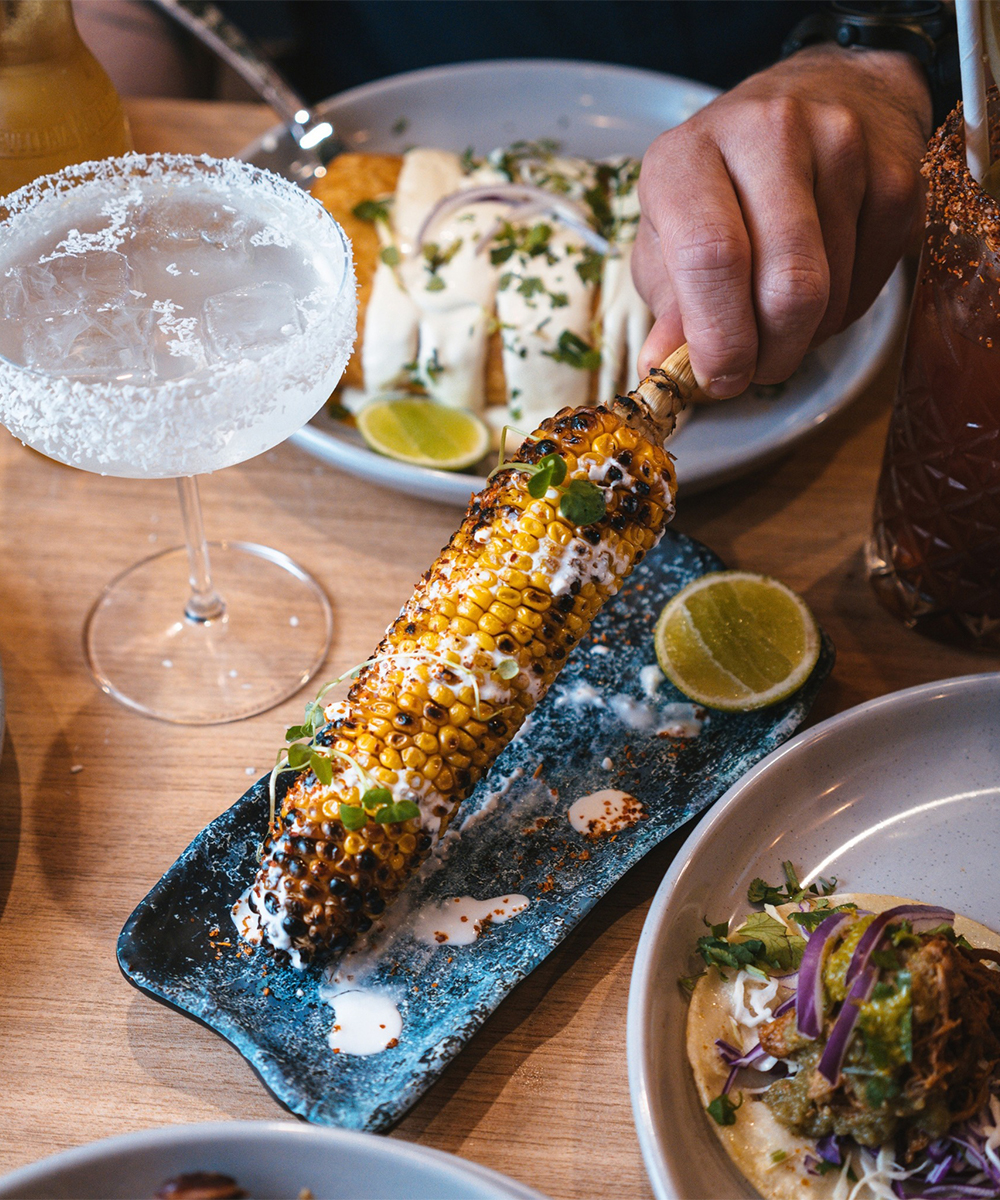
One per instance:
(772, 218)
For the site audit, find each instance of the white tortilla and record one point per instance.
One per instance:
(757, 1133)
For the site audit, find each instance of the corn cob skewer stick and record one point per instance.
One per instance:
(508, 598)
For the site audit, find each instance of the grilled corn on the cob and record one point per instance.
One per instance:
(470, 655)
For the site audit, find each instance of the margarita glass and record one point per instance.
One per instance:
(164, 316)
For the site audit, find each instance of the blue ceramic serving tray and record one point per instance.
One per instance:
(524, 844)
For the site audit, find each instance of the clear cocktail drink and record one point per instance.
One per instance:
(166, 316)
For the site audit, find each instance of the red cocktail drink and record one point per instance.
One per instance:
(934, 555)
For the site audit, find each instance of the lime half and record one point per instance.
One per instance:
(424, 433)
(737, 641)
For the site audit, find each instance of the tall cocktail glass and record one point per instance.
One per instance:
(166, 316)
(934, 554)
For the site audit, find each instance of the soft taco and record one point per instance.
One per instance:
(847, 1046)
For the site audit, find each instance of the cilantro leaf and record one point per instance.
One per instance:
(376, 798)
(352, 816)
(717, 952)
(575, 352)
(782, 949)
(723, 1111)
(371, 210)
(583, 502)
(322, 768)
(390, 256)
(688, 982)
(298, 755)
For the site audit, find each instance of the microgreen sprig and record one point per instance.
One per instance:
(580, 501)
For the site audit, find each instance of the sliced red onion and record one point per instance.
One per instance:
(516, 195)
(832, 1058)
(940, 1170)
(920, 916)
(809, 997)
(828, 1149)
(782, 1008)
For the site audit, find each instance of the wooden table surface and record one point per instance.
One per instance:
(541, 1093)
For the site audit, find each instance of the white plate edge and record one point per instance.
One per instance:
(641, 979)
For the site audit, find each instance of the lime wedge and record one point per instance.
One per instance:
(737, 641)
(424, 433)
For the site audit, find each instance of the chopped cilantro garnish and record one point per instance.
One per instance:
(575, 352)
(778, 1156)
(723, 1111)
(390, 256)
(372, 210)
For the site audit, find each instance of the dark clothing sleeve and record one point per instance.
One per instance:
(329, 45)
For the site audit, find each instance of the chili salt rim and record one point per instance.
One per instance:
(953, 196)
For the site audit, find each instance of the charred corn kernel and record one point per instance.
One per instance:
(441, 695)
(412, 725)
(491, 624)
(503, 611)
(481, 596)
(470, 611)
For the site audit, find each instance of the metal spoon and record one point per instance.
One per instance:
(314, 136)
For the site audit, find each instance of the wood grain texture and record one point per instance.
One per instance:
(542, 1092)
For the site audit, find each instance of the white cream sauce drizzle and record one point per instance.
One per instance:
(603, 812)
(364, 1022)
(459, 920)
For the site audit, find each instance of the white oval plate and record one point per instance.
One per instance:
(900, 795)
(593, 110)
(267, 1159)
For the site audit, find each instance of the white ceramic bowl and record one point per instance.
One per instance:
(267, 1159)
(900, 795)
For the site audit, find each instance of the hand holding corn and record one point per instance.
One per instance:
(472, 652)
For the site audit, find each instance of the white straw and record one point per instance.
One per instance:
(973, 61)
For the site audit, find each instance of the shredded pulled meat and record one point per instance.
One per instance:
(938, 1073)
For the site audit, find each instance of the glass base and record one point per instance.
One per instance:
(973, 631)
(148, 655)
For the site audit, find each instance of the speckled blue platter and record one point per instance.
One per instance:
(170, 948)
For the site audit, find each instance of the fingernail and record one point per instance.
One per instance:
(721, 387)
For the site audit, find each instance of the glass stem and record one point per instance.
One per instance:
(204, 603)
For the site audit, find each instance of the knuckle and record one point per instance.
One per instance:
(784, 118)
(795, 291)
(709, 250)
(898, 185)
